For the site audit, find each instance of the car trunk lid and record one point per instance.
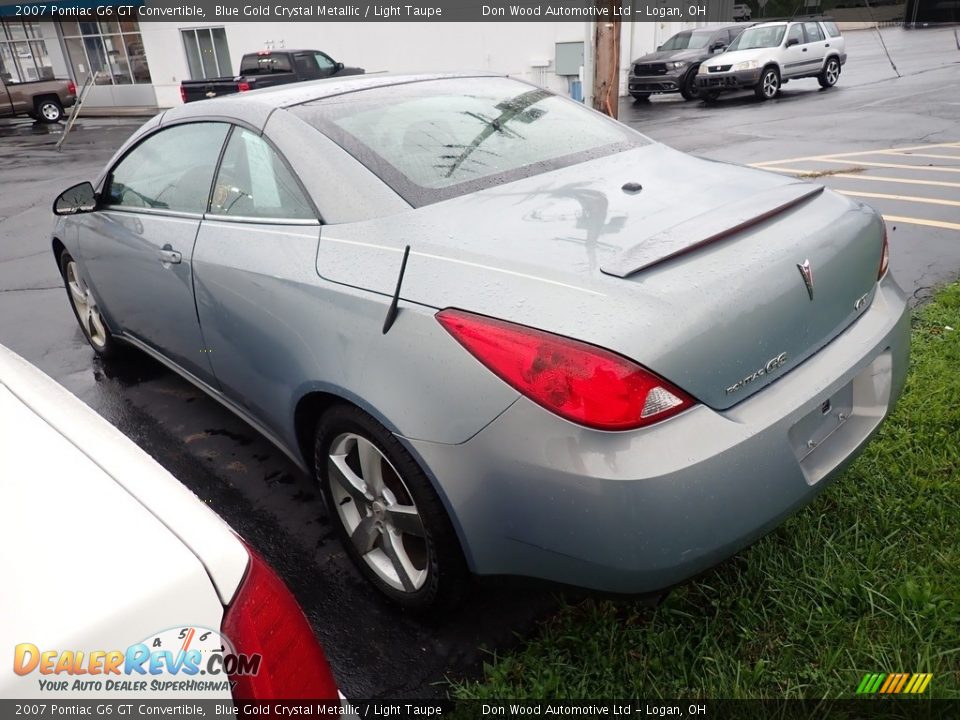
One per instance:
(697, 276)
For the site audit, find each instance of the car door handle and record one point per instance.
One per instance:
(170, 256)
(827, 45)
(804, 49)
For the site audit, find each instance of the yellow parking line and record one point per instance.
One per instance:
(795, 171)
(891, 165)
(921, 221)
(854, 154)
(919, 155)
(906, 198)
(902, 181)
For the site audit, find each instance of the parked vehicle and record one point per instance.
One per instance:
(767, 56)
(602, 362)
(673, 67)
(127, 555)
(43, 100)
(742, 13)
(267, 68)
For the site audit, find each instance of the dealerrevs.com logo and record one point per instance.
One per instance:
(185, 659)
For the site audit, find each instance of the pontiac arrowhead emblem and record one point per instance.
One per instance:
(807, 273)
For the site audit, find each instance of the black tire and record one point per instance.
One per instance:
(830, 74)
(688, 87)
(769, 84)
(640, 96)
(709, 96)
(48, 110)
(437, 552)
(94, 329)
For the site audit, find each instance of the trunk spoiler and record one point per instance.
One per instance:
(708, 228)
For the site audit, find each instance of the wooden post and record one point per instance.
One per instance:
(606, 61)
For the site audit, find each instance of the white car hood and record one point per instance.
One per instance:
(737, 56)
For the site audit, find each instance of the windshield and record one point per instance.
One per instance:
(686, 41)
(758, 37)
(438, 139)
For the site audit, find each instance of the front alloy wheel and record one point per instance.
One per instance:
(769, 84)
(49, 111)
(85, 309)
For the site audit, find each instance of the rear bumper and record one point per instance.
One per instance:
(640, 511)
(69, 101)
(728, 80)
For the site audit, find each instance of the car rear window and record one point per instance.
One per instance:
(265, 64)
(438, 139)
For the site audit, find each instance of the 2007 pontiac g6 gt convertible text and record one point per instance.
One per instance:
(508, 334)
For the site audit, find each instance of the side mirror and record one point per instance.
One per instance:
(792, 41)
(659, 47)
(77, 199)
(339, 66)
(718, 47)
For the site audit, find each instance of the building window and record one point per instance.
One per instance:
(23, 52)
(111, 51)
(207, 53)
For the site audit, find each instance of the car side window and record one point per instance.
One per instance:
(307, 65)
(814, 34)
(831, 28)
(170, 170)
(326, 65)
(254, 182)
(796, 33)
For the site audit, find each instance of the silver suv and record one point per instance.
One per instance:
(766, 56)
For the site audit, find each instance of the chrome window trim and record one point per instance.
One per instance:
(151, 211)
(310, 222)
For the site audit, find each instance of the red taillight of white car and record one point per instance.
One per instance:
(884, 254)
(264, 618)
(580, 382)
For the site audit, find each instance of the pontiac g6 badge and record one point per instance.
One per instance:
(807, 273)
(773, 364)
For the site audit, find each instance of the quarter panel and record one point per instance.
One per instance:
(276, 331)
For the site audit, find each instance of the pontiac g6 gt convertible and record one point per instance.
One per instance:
(508, 335)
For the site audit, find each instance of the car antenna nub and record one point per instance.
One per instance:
(392, 310)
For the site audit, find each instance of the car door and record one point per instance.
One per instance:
(137, 248)
(795, 52)
(816, 44)
(255, 267)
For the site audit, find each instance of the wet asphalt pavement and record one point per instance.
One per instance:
(376, 650)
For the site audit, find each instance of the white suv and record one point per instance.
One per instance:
(766, 56)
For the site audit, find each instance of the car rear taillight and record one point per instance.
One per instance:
(71, 88)
(264, 618)
(582, 383)
(183, 94)
(884, 254)
(243, 86)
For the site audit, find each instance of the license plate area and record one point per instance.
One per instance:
(831, 432)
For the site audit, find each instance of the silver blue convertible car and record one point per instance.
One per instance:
(509, 335)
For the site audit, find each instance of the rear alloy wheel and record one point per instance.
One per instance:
(388, 516)
(688, 86)
(85, 309)
(49, 110)
(830, 73)
(769, 84)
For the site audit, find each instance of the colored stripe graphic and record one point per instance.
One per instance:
(894, 683)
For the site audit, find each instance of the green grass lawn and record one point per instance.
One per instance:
(866, 579)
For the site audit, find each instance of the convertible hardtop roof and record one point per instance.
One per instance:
(256, 106)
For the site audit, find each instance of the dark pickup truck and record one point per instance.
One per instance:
(267, 68)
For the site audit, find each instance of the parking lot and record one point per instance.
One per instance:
(892, 142)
